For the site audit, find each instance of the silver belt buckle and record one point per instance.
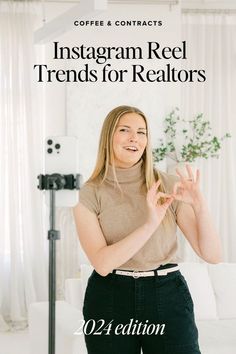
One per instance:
(135, 276)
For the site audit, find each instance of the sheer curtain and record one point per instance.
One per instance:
(23, 272)
(212, 45)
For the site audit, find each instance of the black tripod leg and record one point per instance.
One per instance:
(52, 292)
(52, 276)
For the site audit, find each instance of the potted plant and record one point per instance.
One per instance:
(187, 141)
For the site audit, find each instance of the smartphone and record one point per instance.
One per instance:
(61, 157)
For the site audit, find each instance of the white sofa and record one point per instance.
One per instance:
(213, 289)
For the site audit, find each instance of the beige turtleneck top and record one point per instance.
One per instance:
(120, 214)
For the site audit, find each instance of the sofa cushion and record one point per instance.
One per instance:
(217, 336)
(197, 277)
(223, 278)
(86, 271)
(73, 292)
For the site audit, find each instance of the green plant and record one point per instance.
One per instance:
(198, 140)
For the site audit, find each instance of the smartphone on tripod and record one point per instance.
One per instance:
(61, 157)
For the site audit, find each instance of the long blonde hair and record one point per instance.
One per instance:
(105, 154)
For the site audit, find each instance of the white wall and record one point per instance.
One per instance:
(55, 93)
(80, 108)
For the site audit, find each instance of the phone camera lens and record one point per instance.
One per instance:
(57, 146)
(50, 151)
(49, 142)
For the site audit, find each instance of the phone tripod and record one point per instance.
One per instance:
(54, 183)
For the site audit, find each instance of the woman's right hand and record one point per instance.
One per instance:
(156, 212)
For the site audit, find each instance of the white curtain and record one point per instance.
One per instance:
(23, 255)
(211, 43)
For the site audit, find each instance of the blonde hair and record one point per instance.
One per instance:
(105, 156)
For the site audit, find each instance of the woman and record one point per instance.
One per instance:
(136, 297)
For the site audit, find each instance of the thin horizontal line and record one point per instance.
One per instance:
(209, 11)
(136, 2)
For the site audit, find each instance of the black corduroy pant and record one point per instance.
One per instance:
(149, 315)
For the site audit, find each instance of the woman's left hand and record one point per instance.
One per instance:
(187, 189)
